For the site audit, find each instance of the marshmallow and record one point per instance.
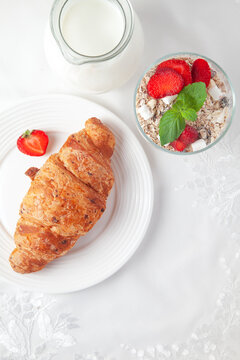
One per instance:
(152, 103)
(198, 145)
(218, 116)
(214, 91)
(169, 99)
(145, 112)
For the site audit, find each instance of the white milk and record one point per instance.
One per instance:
(92, 27)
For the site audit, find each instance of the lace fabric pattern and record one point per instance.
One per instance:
(23, 316)
(216, 182)
(28, 331)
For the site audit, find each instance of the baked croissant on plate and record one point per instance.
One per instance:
(66, 198)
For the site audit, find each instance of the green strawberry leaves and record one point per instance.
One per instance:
(189, 101)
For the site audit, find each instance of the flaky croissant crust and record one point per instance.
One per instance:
(66, 198)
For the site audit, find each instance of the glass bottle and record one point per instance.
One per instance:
(100, 73)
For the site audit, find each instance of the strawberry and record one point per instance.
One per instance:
(165, 82)
(187, 137)
(178, 145)
(201, 71)
(33, 143)
(180, 66)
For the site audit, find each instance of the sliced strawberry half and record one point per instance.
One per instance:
(187, 137)
(180, 66)
(33, 143)
(165, 82)
(201, 71)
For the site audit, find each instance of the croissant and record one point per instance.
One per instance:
(66, 198)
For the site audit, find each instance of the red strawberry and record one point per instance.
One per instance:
(180, 66)
(201, 71)
(187, 137)
(33, 143)
(178, 145)
(165, 83)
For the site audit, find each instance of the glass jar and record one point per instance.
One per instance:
(94, 74)
(227, 97)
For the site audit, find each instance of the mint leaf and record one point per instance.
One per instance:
(189, 101)
(189, 114)
(193, 96)
(171, 126)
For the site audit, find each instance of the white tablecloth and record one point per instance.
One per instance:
(182, 275)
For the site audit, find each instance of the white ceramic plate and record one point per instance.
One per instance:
(114, 239)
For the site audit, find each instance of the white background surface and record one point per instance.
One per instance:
(173, 279)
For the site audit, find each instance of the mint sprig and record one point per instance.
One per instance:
(189, 114)
(171, 126)
(189, 101)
